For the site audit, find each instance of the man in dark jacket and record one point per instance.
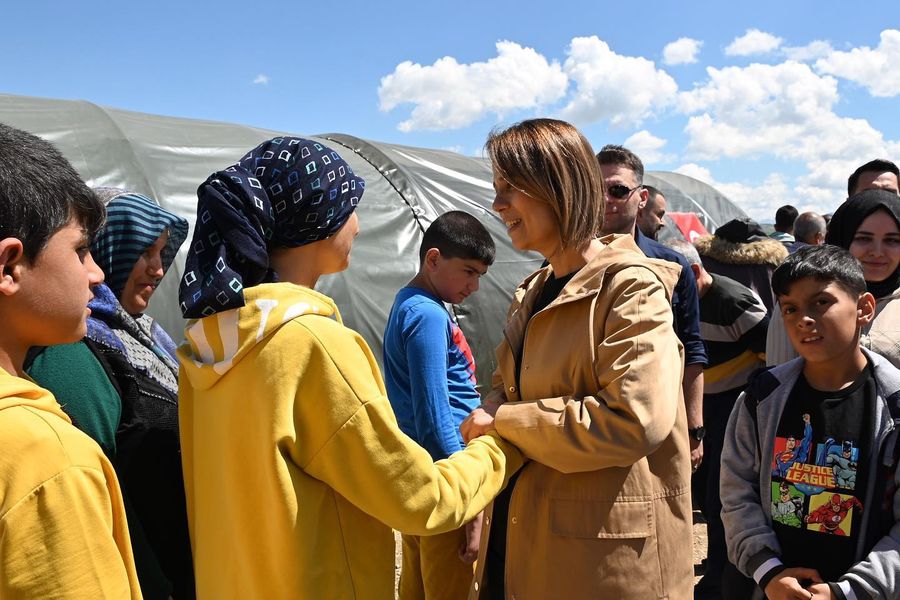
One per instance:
(623, 174)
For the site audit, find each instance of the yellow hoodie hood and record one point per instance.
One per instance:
(18, 391)
(216, 343)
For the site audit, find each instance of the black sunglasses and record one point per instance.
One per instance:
(619, 191)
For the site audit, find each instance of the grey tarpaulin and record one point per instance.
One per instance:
(406, 189)
(166, 158)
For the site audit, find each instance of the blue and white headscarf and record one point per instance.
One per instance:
(286, 192)
(133, 224)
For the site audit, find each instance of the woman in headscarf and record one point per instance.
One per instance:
(867, 225)
(588, 385)
(295, 467)
(120, 385)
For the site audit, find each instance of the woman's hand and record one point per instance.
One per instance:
(786, 585)
(479, 422)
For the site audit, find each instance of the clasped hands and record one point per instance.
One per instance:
(787, 585)
(479, 422)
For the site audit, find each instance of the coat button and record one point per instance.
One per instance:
(476, 586)
(487, 520)
(512, 389)
(514, 520)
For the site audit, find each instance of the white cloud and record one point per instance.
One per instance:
(696, 171)
(783, 110)
(811, 51)
(875, 69)
(623, 89)
(648, 147)
(759, 201)
(449, 95)
(753, 41)
(682, 51)
(261, 79)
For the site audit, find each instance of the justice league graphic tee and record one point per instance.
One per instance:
(819, 474)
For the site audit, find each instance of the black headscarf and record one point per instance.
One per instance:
(286, 192)
(850, 215)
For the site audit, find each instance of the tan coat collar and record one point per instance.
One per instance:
(618, 253)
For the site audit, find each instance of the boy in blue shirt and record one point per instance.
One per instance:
(429, 373)
(809, 477)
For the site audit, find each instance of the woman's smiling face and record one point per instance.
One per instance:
(876, 244)
(530, 223)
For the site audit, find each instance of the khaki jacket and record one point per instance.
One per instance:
(603, 509)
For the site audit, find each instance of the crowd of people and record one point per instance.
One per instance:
(267, 456)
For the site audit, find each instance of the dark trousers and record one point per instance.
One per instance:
(737, 586)
(705, 487)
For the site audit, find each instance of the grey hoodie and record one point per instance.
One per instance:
(752, 544)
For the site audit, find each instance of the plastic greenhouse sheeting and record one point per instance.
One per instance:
(686, 194)
(406, 189)
(166, 158)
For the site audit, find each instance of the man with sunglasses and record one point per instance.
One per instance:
(623, 177)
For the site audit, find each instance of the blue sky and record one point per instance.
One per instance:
(772, 102)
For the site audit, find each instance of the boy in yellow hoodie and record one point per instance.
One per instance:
(62, 524)
(295, 468)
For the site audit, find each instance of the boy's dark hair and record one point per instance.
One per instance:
(785, 217)
(823, 263)
(879, 165)
(458, 234)
(40, 192)
(613, 154)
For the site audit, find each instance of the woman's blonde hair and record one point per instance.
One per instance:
(552, 162)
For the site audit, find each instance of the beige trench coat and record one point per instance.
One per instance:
(603, 510)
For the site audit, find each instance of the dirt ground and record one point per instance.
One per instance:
(699, 546)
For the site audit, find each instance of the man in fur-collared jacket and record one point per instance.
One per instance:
(741, 250)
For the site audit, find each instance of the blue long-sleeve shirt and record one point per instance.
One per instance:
(429, 372)
(685, 300)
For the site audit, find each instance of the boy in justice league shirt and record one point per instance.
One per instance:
(809, 468)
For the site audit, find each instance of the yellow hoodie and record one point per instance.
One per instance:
(62, 524)
(295, 468)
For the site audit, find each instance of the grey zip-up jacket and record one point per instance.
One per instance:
(745, 485)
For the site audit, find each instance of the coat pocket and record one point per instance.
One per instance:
(593, 519)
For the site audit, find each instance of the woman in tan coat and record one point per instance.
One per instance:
(588, 385)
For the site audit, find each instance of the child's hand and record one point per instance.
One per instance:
(786, 585)
(820, 591)
(468, 551)
(479, 422)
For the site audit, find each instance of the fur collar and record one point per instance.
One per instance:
(761, 252)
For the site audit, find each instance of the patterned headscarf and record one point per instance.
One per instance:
(133, 224)
(286, 192)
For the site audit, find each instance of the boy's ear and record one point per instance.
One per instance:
(431, 258)
(865, 309)
(12, 254)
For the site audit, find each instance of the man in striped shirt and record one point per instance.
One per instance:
(733, 323)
